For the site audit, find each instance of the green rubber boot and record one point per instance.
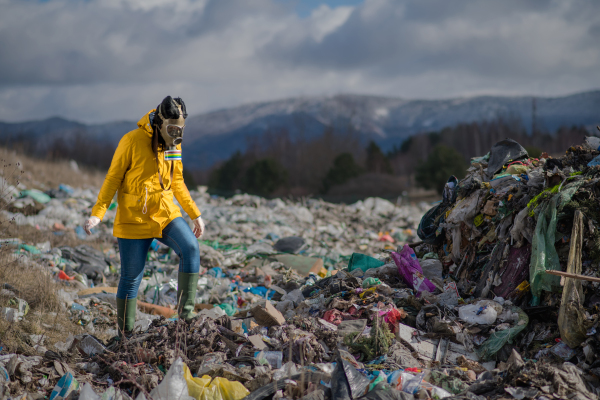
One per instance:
(187, 285)
(126, 315)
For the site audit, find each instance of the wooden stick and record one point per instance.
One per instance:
(574, 276)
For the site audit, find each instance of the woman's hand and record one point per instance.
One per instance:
(198, 227)
(90, 223)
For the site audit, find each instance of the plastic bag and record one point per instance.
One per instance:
(174, 385)
(502, 153)
(442, 385)
(544, 255)
(228, 390)
(367, 283)
(272, 358)
(449, 192)
(195, 385)
(346, 382)
(110, 394)
(499, 338)
(218, 389)
(408, 383)
(381, 377)
(288, 369)
(466, 209)
(88, 393)
(518, 229)
(363, 262)
(37, 195)
(428, 227)
(592, 143)
(410, 270)
(483, 312)
(516, 169)
(393, 317)
(536, 178)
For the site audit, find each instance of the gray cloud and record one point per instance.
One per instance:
(505, 39)
(112, 59)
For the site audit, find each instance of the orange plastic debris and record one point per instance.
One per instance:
(386, 238)
(62, 275)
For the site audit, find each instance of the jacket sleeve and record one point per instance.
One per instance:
(119, 165)
(182, 193)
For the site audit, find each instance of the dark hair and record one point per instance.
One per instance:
(169, 110)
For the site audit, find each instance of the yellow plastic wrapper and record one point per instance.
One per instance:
(195, 385)
(517, 169)
(229, 390)
(218, 389)
(367, 292)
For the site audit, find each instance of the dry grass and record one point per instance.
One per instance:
(43, 175)
(34, 283)
(39, 289)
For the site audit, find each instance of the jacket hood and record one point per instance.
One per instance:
(144, 122)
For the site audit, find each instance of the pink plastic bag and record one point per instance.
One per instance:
(411, 272)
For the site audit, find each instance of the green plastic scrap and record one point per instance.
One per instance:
(228, 308)
(380, 378)
(500, 175)
(430, 256)
(29, 248)
(499, 338)
(363, 262)
(223, 247)
(475, 160)
(544, 256)
(367, 283)
(533, 203)
(448, 383)
(478, 220)
(36, 195)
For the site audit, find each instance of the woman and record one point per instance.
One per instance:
(146, 171)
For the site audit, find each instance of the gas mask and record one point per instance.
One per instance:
(171, 115)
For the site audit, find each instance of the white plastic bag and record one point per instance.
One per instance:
(592, 142)
(88, 393)
(286, 370)
(466, 209)
(518, 230)
(484, 312)
(174, 386)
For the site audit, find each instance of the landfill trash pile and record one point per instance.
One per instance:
(313, 300)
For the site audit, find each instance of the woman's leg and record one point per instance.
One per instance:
(133, 258)
(178, 236)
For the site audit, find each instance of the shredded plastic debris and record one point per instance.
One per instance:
(313, 300)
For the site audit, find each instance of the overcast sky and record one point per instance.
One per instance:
(102, 60)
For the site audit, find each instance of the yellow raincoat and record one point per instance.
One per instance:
(144, 209)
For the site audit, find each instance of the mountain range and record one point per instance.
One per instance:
(214, 136)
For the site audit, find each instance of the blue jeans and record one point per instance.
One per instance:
(177, 235)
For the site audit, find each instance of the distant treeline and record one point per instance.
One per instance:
(339, 163)
(476, 139)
